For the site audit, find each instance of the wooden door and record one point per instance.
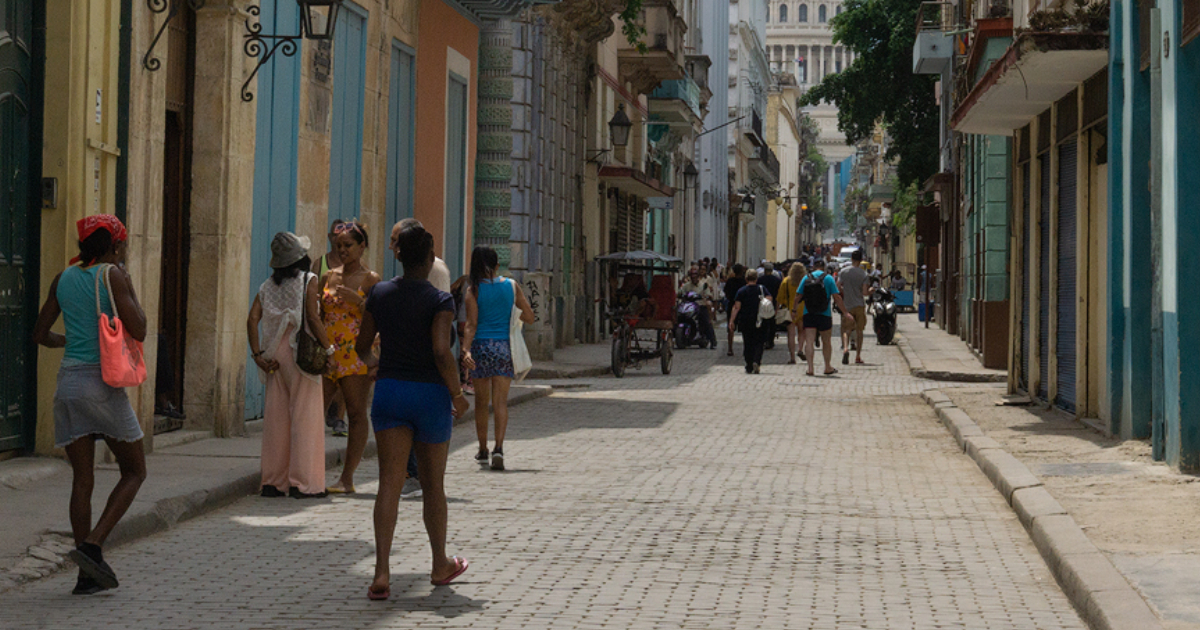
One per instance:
(456, 174)
(18, 358)
(349, 85)
(402, 95)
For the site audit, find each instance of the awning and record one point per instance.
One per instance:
(634, 182)
(490, 10)
(1037, 70)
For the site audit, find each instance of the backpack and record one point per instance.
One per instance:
(816, 300)
(766, 307)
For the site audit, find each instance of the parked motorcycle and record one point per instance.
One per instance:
(883, 310)
(687, 321)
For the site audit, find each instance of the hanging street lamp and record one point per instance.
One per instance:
(689, 175)
(317, 20)
(619, 127)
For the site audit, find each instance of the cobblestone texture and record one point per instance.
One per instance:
(705, 499)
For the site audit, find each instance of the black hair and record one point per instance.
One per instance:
(358, 231)
(856, 255)
(97, 244)
(483, 261)
(291, 271)
(413, 246)
(739, 269)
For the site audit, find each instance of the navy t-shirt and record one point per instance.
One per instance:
(403, 311)
(748, 296)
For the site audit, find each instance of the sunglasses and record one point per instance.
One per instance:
(343, 228)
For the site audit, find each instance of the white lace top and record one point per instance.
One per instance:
(282, 306)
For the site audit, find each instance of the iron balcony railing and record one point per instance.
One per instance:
(685, 90)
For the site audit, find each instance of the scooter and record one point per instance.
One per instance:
(687, 322)
(883, 310)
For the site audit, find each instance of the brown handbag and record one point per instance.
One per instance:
(310, 356)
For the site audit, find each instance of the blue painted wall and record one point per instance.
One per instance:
(275, 159)
(402, 110)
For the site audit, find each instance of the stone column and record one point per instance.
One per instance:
(222, 208)
(501, 69)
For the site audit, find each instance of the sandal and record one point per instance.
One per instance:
(831, 372)
(461, 565)
(375, 595)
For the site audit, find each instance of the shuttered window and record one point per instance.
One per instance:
(1064, 342)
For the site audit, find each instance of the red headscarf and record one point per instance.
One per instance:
(88, 225)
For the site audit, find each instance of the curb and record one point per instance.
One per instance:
(917, 367)
(49, 555)
(1100, 594)
(542, 374)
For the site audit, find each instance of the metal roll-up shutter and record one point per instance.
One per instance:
(1043, 389)
(1064, 341)
(1026, 244)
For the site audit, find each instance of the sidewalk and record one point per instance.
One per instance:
(933, 354)
(189, 473)
(578, 361)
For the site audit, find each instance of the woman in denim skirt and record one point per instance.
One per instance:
(490, 300)
(86, 408)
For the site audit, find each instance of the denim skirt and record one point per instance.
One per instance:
(84, 405)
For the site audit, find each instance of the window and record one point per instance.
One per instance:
(822, 14)
(803, 13)
(783, 13)
(839, 9)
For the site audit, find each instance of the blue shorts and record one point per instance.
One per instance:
(423, 407)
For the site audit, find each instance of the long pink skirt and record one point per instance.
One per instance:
(293, 440)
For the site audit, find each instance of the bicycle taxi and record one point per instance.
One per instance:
(640, 303)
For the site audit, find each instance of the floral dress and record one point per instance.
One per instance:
(342, 322)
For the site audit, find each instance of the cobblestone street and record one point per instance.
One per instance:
(705, 499)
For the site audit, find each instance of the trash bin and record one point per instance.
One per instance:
(921, 311)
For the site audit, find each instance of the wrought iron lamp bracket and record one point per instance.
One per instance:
(263, 47)
(171, 7)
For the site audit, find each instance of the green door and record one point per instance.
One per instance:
(17, 358)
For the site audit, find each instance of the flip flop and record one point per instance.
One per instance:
(374, 595)
(831, 373)
(859, 362)
(337, 490)
(809, 373)
(462, 565)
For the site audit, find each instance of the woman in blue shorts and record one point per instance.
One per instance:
(490, 300)
(417, 397)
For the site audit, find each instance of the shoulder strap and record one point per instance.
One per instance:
(305, 279)
(112, 302)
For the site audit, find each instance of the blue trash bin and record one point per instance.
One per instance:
(921, 311)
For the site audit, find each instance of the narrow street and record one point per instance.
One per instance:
(705, 499)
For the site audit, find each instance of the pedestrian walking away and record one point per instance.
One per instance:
(343, 292)
(490, 301)
(417, 397)
(786, 300)
(86, 408)
(770, 281)
(335, 408)
(745, 315)
(854, 283)
(816, 297)
(439, 277)
(736, 281)
(293, 439)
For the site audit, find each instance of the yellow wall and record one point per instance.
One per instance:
(82, 55)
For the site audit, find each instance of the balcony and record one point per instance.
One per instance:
(697, 69)
(664, 58)
(934, 47)
(676, 102)
(751, 126)
(881, 193)
(765, 165)
(1034, 72)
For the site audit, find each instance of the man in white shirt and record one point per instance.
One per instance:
(702, 286)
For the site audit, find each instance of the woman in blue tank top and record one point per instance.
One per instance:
(86, 408)
(490, 301)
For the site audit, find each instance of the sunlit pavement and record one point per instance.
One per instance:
(705, 499)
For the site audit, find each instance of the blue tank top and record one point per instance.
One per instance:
(495, 298)
(77, 299)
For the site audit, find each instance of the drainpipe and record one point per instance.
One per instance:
(1158, 433)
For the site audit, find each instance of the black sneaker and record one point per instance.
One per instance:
(481, 457)
(86, 585)
(91, 563)
(272, 492)
(497, 460)
(846, 358)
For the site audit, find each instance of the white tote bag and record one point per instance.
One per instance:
(516, 343)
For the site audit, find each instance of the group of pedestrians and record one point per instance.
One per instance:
(803, 300)
(324, 335)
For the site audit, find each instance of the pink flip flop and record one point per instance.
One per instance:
(462, 565)
(374, 595)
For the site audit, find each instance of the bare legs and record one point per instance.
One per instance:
(810, 337)
(491, 391)
(355, 390)
(131, 460)
(394, 446)
(791, 333)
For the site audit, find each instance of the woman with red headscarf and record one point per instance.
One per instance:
(86, 408)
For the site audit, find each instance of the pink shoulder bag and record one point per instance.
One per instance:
(121, 360)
